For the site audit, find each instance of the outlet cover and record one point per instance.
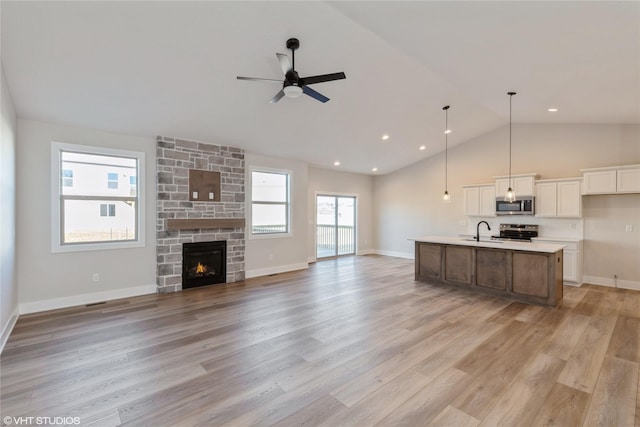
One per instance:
(628, 227)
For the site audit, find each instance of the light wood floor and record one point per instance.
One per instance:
(352, 342)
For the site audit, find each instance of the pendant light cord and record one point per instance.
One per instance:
(446, 148)
(446, 153)
(510, 98)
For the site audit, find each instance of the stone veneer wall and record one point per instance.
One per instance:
(174, 158)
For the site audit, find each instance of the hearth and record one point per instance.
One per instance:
(204, 263)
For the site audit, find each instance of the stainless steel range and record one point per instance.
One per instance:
(519, 232)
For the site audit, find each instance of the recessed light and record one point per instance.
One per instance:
(447, 131)
(423, 147)
(385, 137)
(552, 110)
(374, 170)
(336, 163)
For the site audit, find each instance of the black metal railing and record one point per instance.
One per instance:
(326, 239)
(266, 229)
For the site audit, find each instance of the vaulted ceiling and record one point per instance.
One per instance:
(169, 68)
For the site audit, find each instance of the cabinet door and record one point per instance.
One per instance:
(570, 266)
(523, 186)
(502, 185)
(546, 199)
(472, 201)
(488, 200)
(601, 182)
(628, 181)
(569, 199)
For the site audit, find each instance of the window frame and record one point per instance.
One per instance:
(288, 204)
(57, 218)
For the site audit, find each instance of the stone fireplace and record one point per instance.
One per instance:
(183, 221)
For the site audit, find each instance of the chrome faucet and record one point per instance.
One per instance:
(478, 229)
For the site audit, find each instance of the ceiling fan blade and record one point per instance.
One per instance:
(278, 97)
(285, 64)
(316, 95)
(322, 78)
(259, 79)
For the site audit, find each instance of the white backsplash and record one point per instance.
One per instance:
(548, 227)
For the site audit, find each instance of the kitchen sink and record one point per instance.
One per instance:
(483, 241)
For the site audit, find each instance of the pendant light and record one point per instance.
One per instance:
(446, 197)
(510, 196)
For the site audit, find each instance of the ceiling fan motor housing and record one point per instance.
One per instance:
(293, 44)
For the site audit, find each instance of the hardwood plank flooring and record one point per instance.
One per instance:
(349, 342)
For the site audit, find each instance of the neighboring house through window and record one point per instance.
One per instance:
(112, 181)
(270, 202)
(87, 214)
(108, 209)
(67, 178)
(132, 185)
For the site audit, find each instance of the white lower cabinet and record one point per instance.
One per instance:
(572, 258)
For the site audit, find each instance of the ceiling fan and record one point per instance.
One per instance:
(293, 85)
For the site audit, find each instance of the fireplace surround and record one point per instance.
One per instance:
(181, 220)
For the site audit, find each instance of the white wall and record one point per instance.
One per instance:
(47, 280)
(8, 282)
(335, 182)
(609, 249)
(407, 203)
(277, 254)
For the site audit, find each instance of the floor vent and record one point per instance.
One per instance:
(95, 303)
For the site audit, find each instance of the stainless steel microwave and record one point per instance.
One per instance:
(521, 206)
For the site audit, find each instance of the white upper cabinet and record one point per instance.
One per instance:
(628, 180)
(523, 185)
(559, 198)
(600, 182)
(546, 199)
(487, 200)
(471, 201)
(612, 180)
(480, 200)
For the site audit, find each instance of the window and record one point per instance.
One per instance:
(67, 178)
(107, 209)
(270, 205)
(112, 181)
(132, 185)
(86, 214)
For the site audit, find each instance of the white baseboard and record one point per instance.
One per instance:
(64, 302)
(275, 270)
(6, 331)
(606, 281)
(366, 252)
(311, 259)
(405, 255)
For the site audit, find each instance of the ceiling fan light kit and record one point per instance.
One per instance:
(292, 91)
(293, 85)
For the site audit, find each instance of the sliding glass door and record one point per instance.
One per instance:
(335, 226)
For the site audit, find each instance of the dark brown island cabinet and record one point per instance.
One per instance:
(528, 272)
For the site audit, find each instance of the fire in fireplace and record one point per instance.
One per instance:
(204, 263)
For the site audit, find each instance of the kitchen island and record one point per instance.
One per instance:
(529, 272)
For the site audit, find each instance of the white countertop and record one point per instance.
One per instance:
(496, 244)
(557, 239)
